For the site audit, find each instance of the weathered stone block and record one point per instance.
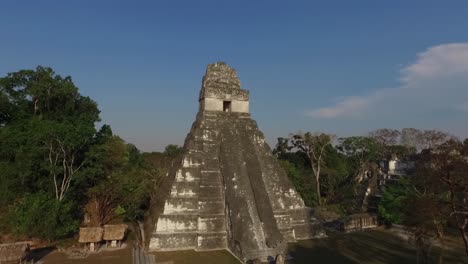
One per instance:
(180, 205)
(211, 178)
(211, 148)
(187, 175)
(174, 241)
(283, 220)
(211, 223)
(192, 161)
(211, 206)
(288, 234)
(210, 191)
(195, 145)
(185, 189)
(211, 164)
(177, 223)
(210, 241)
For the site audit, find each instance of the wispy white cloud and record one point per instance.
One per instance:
(437, 80)
(438, 61)
(346, 106)
(463, 107)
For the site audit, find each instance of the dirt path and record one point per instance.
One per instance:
(116, 256)
(376, 247)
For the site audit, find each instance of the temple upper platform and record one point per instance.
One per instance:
(221, 90)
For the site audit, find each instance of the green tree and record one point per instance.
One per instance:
(122, 180)
(435, 196)
(337, 180)
(443, 174)
(361, 152)
(282, 147)
(172, 152)
(300, 178)
(335, 173)
(386, 136)
(45, 128)
(313, 145)
(392, 205)
(41, 216)
(107, 164)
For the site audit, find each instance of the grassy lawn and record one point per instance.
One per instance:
(377, 246)
(193, 257)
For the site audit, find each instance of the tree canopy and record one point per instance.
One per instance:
(53, 162)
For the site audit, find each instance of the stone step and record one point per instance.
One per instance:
(210, 241)
(211, 223)
(264, 254)
(288, 234)
(211, 206)
(193, 160)
(180, 205)
(210, 121)
(211, 178)
(211, 164)
(194, 145)
(283, 221)
(211, 148)
(177, 223)
(188, 175)
(304, 231)
(208, 113)
(185, 189)
(210, 191)
(174, 241)
(300, 215)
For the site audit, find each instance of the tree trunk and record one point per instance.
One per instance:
(317, 182)
(465, 240)
(141, 226)
(317, 178)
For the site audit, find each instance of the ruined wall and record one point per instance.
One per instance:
(215, 104)
(230, 191)
(240, 106)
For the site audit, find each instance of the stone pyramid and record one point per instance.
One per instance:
(230, 191)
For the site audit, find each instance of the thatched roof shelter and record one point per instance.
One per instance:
(13, 251)
(114, 232)
(360, 215)
(359, 221)
(90, 234)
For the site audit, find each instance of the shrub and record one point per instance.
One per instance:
(393, 202)
(42, 216)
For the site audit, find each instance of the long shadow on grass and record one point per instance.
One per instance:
(366, 247)
(39, 253)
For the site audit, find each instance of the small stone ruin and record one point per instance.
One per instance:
(230, 191)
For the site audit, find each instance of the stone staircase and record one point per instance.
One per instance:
(194, 214)
(231, 193)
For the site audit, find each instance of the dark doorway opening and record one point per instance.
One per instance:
(226, 106)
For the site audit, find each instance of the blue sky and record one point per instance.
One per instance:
(344, 67)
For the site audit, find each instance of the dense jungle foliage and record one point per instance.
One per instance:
(53, 161)
(57, 169)
(336, 174)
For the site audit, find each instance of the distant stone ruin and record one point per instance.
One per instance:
(230, 191)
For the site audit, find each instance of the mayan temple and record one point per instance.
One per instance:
(230, 191)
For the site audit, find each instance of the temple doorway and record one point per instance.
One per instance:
(226, 106)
